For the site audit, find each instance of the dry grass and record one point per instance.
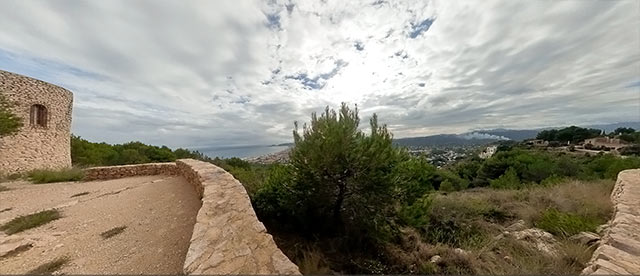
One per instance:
(313, 262)
(472, 220)
(50, 176)
(23, 223)
(588, 199)
(80, 194)
(17, 250)
(112, 232)
(10, 177)
(412, 255)
(50, 267)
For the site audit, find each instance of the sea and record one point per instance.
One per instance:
(241, 151)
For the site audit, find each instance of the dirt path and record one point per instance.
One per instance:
(158, 211)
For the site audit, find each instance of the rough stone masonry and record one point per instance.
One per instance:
(619, 249)
(227, 236)
(44, 141)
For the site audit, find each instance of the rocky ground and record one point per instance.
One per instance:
(157, 211)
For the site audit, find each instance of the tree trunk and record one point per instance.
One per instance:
(337, 217)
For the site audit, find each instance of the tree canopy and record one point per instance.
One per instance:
(572, 134)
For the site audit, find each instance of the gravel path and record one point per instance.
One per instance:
(158, 211)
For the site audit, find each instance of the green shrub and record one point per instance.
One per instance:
(9, 122)
(509, 180)
(276, 198)
(608, 166)
(49, 176)
(340, 178)
(251, 177)
(451, 181)
(417, 214)
(447, 186)
(415, 178)
(85, 153)
(565, 224)
(552, 180)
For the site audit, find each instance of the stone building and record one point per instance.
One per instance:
(44, 140)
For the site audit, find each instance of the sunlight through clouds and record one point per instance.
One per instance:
(196, 73)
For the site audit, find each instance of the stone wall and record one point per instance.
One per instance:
(113, 172)
(34, 146)
(227, 237)
(619, 249)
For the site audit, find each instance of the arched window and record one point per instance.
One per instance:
(38, 115)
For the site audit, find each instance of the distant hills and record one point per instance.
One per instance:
(479, 137)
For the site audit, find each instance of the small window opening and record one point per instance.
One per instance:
(38, 115)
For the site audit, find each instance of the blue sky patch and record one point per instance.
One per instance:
(273, 21)
(420, 28)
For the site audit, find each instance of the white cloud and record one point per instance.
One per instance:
(196, 73)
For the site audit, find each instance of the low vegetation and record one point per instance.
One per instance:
(9, 122)
(3, 188)
(10, 177)
(51, 176)
(26, 222)
(571, 134)
(80, 194)
(50, 267)
(112, 232)
(351, 202)
(325, 209)
(85, 153)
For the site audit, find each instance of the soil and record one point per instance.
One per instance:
(158, 213)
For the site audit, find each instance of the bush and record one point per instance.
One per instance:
(23, 223)
(417, 177)
(50, 176)
(85, 153)
(608, 166)
(9, 122)
(340, 179)
(566, 224)
(509, 180)
(275, 197)
(630, 150)
(417, 214)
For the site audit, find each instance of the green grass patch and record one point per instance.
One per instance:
(80, 194)
(112, 232)
(23, 223)
(50, 267)
(51, 176)
(565, 224)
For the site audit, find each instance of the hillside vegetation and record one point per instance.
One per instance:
(351, 202)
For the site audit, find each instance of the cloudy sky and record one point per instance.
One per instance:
(198, 73)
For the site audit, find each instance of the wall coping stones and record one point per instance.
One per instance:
(227, 236)
(113, 172)
(619, 249)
